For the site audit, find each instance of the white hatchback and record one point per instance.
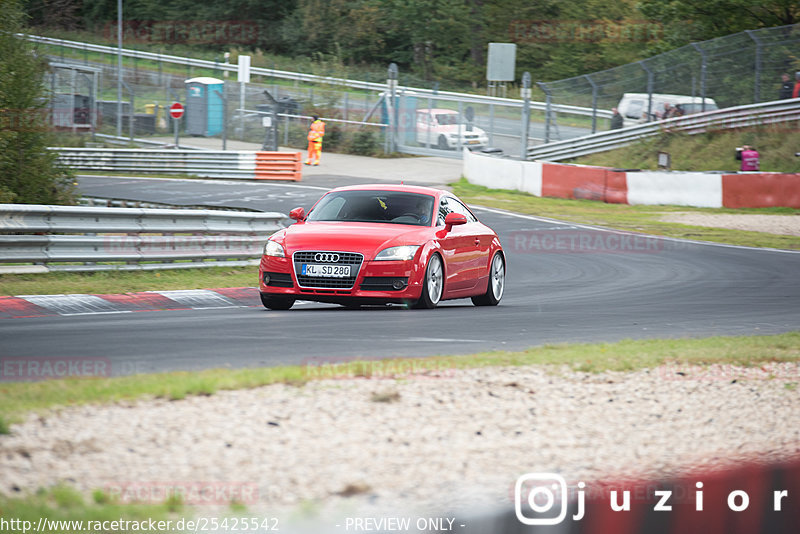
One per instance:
(442, 128)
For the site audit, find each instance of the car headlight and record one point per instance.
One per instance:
(402, 253)
(273, 248)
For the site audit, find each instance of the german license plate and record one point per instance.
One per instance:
(326, 271)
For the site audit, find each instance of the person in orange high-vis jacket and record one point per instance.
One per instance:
(315, 134)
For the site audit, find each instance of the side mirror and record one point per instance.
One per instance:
(298, 214)
(454, 219)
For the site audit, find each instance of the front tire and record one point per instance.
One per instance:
(442, 143)
(496, 285)
(273, 302)
(432, 285)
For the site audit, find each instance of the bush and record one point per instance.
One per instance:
(364, 143)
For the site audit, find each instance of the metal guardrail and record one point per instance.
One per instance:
(312, 78)
(749, 116)
(238, 164)
(113, 139)
(74, 238)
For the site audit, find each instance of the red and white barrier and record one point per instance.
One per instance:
(698, 189)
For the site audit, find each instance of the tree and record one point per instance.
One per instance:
(697, 20)
(29, 173)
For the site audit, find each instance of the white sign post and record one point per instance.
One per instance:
(244, 78)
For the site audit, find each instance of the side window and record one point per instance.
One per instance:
(444, 209)
(458, 207)
(451, 205)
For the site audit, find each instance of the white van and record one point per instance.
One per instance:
(633, 106)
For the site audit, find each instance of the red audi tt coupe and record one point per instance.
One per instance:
(374, 244)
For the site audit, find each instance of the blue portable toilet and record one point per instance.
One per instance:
(204, 112)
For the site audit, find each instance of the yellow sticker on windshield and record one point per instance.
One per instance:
(383, 204)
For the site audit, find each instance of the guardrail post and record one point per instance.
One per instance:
(391, 87)
(594, 102)
(650, 80)
(703, 65)
(525, 93)
(119, 68)
(224, 116)
(547, 110)
(131, 116)
(757, 82)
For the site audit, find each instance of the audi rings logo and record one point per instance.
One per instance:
(326, 257)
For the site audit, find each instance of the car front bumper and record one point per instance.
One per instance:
(376, 282)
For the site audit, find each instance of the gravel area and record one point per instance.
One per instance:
(771, 224)
(428, 442)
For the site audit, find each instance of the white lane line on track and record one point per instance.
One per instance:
(95, 313)
(443, 340)
(623, 232)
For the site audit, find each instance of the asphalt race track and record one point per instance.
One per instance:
(565, 283)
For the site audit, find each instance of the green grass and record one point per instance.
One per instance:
(63, 503)
(645, 219)
(708, 152)
(20, 398)
(127, 281)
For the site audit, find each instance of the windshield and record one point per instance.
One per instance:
(447, 119)
(374, 206)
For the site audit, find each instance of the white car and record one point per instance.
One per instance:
(442, 128)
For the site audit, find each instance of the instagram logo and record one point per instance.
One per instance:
(536, 495)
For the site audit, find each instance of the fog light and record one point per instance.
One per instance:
(266, 279)
(398, 284)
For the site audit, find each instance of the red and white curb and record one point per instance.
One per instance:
(619, 186)
(80, 304)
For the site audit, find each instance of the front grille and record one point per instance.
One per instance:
(345, 258)
(352, 259)
(383, 283)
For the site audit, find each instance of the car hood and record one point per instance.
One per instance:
(453, 129)
(366, 238)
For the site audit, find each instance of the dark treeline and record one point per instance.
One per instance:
(435, 39)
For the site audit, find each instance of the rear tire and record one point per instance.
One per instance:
(273, 302)
(432, 285)
(496, 285)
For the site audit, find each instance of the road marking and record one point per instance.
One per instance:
(76, 304)
(444, 340)
(198, 298)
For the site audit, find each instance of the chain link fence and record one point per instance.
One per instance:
(149, 87)
(743, 68)
(738, 69)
